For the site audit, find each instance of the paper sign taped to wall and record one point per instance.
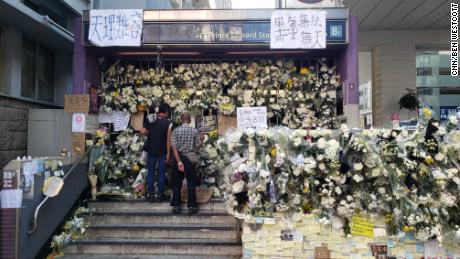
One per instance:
(91, 124)
(362, 226)
(251, 117)
(76, 103)
(11, 199)
(115, 27)
(78, 122)
(120, 120)
(298, 29)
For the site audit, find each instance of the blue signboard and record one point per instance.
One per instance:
(231, 32)
(445, 111)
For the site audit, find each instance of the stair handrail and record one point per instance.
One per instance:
(37, 210)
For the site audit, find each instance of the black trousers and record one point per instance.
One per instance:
(178, 177)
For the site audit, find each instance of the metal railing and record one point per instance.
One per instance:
(34, 224)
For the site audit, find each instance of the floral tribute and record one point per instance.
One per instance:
(295, 96)
(411, 179)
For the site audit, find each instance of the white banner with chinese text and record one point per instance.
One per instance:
(115, 27)
(298, 29)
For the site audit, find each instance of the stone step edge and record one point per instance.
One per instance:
(144, 201)
(165, 227)
(143, 256)
(152, 213)
(157, 242)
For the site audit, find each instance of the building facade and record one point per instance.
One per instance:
(36, 44)
(404, 45)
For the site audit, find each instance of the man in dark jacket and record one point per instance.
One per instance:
(158, 146)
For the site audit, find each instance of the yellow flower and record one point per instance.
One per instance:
(115, 94)
(388, 218)
(289, 84)
(293, 69)
(306, 189)
(249, 77)
(408, 228)
(304, 71)
(141, 107)
(427, 113)
(136, 167)
(429, 160)
(273, 152)
(214, 134)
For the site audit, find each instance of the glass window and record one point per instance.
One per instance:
(37, 79)
(444, 71)
(45, 75)
(424, 71)
(28, 69)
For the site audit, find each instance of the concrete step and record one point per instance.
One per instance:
(210, 247)
(134, 256)
(164, 218)
(143, 205)
(198, 231)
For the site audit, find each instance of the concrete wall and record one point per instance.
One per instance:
(13, 127)
(394, 66)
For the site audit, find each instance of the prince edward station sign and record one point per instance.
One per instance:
(238, 31)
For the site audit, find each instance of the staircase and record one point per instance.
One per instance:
(138, 229)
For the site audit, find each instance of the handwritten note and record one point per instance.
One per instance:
(298, 29)
(115, 27)
(11, 198)
(120, 120)
(251, 117)
(78, 122)
(361, 226)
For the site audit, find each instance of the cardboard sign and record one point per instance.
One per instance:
(76, 103)
(137, 121)
(206, 124)
(361, 226)
(251, 117)
(78, 122)
(115, 27)
(298, 29)
(322, 253)
(226, 123)
(78, 144)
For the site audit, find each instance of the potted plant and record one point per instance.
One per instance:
(409, 101)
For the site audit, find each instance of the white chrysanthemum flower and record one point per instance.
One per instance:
(453, 120)
(358, 166)
(238, 187)
(357, 178)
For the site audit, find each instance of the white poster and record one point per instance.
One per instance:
(251, 117)
(78, 122)
(11, 198)
(298, 29)
(104, 117)
(120, 120)
(115, 27)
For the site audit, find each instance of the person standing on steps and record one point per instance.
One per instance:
(158, 145)
(185, 144)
